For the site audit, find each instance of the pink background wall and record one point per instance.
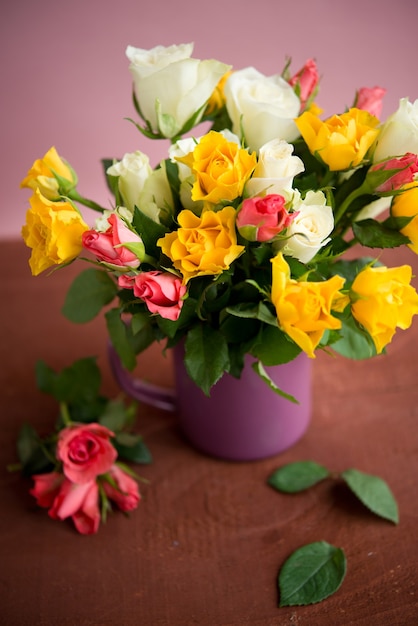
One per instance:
(65, 78)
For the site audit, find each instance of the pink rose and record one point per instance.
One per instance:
(126, 494)
(261, 219)
(403, 168)
(46, 488)
(306, 81)
(370, 99)
(85, 451)
(66, 499)
(108, 246)
(162, 292)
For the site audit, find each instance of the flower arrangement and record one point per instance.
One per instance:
(235, 242)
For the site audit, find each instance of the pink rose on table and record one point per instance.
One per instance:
(109, 246)
(85, 451)
(162, 292)
(370, 99)
(67, 499)
(306, 81)
(403, 170)
(125, 494)
(261, 219)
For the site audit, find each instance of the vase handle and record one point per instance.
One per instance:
(154, 395)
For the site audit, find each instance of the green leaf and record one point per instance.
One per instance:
(77, 384)
(206, 356)
(259, 369)
(298, 476)
(311, 574)
(274, 348)
(115, 416)
(132, 448)
(120, 336)
(32, 454)
(354, 343)
(149, 231)
(88, 294)
(373, 492)
(374, 234)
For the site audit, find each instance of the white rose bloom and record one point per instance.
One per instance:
(156, 199)
(263, 106)
(399, 134)
(310, 229)
(133, 170)
(102, 224)
(275, 170)
(171, 87)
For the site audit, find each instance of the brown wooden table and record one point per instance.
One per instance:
(209, 537)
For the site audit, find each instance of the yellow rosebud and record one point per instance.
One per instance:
(205, 245)
(304, 308)
(41, 175)
(383, 300)
(341, 141)
(220, 167)
(217, 99)
(405, 204)
(53, 230)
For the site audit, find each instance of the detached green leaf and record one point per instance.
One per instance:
(311, 574)
(373, 492)
(298, 476)
(88, 294)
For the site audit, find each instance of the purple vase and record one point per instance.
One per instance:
(242, 419)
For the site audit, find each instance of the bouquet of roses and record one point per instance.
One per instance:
(234, 243)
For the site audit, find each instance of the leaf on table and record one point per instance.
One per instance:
(298, 476)
(373, 492)
(311, 574)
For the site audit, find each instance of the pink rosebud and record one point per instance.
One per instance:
(261, 219)
(162, 292)
(108, 246)
(306, 81)
(81, 503)
(46, 488)
(370, 99)
(85, 451)
(125, 494)
(403, 170)
(65, 499)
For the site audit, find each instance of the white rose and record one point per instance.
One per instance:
(275, 170)
(170, 87)
(102, 224)
(133, 170)
(399, 134)
(309, 231)
(264, 107)
(156, 199)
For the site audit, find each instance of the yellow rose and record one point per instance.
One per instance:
(382, 300)
(202, 245)
(341, 141)
(405, 204)
(220, 167)
(41, 175)
(217, 99)
(304, 308)
(54, 232)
